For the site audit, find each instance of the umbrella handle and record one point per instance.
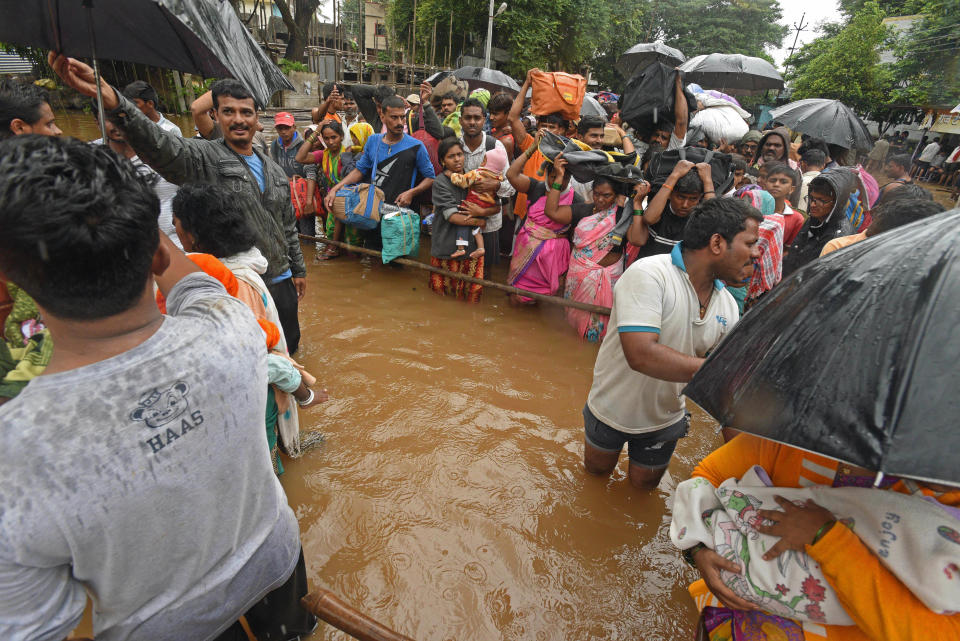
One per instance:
(88, 5)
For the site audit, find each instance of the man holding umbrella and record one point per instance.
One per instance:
(232, 162)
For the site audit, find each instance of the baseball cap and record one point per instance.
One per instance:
(413, 99)
(283, 118)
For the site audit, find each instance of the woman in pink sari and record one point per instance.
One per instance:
(541, 251)
(600, 239)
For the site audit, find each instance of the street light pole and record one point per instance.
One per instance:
(486, 55)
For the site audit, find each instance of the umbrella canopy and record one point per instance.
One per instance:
(828, 119)
(479, 78)
(203, 37)
(732, 72)
(592, 107)
(640, 55)
(854, 356)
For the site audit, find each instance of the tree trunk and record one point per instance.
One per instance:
(297, 26)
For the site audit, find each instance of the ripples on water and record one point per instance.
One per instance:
(448, 499)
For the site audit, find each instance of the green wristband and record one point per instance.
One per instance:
(556, 186)
(823, 530)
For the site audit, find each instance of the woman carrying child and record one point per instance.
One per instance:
(448, 201)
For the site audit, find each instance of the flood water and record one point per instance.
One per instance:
(448, 498)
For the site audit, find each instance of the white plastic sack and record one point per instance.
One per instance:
(720, 119)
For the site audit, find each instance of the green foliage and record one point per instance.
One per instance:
(37, 57)
(581, 35)
(846, 66)
(928, 67)
(286, 66)
(727, 26)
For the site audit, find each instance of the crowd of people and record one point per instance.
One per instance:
(168, 271)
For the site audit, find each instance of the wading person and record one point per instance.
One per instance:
(392, 161)
(140, 398)
(476, 144)
(24, 110)
(897, 170)
(303, 178)
(145, 98)
(666, 213)
(668, 312)
(774, 147)
(231, 161)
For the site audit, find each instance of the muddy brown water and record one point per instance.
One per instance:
(448, 498)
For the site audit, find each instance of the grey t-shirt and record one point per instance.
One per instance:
(145, 478)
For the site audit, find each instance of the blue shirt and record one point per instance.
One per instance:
(256, 166)
(397, 164)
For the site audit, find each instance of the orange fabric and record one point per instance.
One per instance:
(843, 241)
(271, 332)
(884, 609)
(251, 298)
(530, 169)
(332, 116)
(212, 266)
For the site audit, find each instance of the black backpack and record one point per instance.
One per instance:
(663, 163)
(648, 98)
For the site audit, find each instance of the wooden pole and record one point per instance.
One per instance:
(555, 300)
(413, 56)
(450, 42)
(341, 615)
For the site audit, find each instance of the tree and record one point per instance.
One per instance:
(846, 66)
(298, 24)
(927, 70)
(727, 26)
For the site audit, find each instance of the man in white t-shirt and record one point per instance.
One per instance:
(669, 311)
(147, 101)
(135, 469)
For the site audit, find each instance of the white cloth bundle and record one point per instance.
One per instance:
(915, 537)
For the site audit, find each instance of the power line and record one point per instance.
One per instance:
(798, 28)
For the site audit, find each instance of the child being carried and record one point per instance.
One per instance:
(494, 164)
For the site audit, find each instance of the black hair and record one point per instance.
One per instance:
(445, 145)
(383, 92)
(904, 160)
(663, 125)
(605, 180)
(908, 190)
(212, 214)
(348, 95)
(20, 101)
(499, 103)
(837, 153)
(79, 225)
(782, 168)
(590, 122)
(473, 102)
(814, 158)
(812, 143)
(821, 185)
(231, 88)
(689, 184)
(554, 119)
(724, 216)
(328, 89)
(738, 163)
(331, 124)
(896, 212)
(393, 102)
(143, 91)
(449, 96)
(753, 172)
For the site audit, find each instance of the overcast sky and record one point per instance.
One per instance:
(817, 11)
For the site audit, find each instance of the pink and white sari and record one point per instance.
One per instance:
(587, 280)
(541, 253)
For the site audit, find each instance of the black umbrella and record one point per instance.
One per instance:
(732, 72)
(203, 37)
(640, 55)
(479, 78)
(854, 356)
(828, 119)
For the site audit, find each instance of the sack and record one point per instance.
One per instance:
(557, 91)
(431, 143)
(298, 195)
(663, 163)
(648, 98)
(358, 205)
(399, 231)
(721, 121)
